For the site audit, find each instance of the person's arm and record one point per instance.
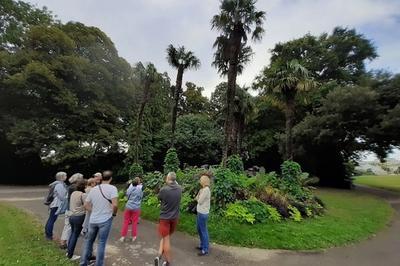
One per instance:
(129, 191)
(160, 194)
(88, 202)
(203, 196)
(60, 192)
(114, 200)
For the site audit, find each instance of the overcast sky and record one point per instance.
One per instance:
(142, 29)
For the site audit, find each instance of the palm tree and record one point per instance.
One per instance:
(182, 60)
(282, 83)
(236, 20)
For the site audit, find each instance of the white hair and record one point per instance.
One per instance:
(75, 178)
(171, 176)
(61, 175)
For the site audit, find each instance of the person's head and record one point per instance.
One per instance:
(81, 185)
(171, 177)
(91, 182)
(98, 177)
(136, 181)
(75, 178)
(204, 181)
(61, 176)
(107, 176)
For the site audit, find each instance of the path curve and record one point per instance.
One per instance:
(381, 249)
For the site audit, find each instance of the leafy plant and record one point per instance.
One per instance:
(273, 214)
(295, 214)
(171, 161)
(235, 164)
(135, 170)
(185, 201)
(257, 208)
(153, 180)
(275, 198)
(152, 200)
(239, 213)
(290, 170)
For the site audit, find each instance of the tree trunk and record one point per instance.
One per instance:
(140, 120)
(289, 115)
(230, 127)
(177, 95)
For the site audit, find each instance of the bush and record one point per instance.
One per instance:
(228, 187)
(171, 161)
(290, 170)
(153, 201)
(238, 212)
(135, 170)
(275, 198)
(153, 181)
(257, 208)
(273, 214)
(235, 164)
(185, 201)
(295, 214)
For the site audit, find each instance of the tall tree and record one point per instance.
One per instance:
(148, 80)
(283, 82)
(182, 60)
(193, 101)
(237, 19)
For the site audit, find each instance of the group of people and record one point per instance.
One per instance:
(90, 205)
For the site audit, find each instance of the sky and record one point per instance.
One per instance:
(142, 29)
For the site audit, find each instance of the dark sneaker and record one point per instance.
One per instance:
(198, 248)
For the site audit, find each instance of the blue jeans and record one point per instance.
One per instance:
(76, 223)
(101, 229)
(50, 223)
(203, 231)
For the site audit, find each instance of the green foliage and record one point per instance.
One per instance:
(257, 209)
(185, 201)
(240, 213)
(235, 164)
(294, 213)
(135, 170)
(153, 180)
(228, 187)
(273, 214)
(275, 198)
(152, 201)
(291, 171)
(171, 161)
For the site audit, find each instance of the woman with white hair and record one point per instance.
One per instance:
(203, 199)
(58, 196)
(66, 233)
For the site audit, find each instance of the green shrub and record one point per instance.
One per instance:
(185, 201)
(240, 213)
(275, 198)
(257, 208)
(153, 181)
(153, 201)
(295, 214)
(228, 187)
(135, 170)
(171, 161)
(290, 170)
(235, 164)
(273, 214)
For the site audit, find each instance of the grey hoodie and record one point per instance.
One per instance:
(170, 197)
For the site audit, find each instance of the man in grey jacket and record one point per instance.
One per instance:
(170, 197)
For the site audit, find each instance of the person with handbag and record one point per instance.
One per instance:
(203, 199)
(76, 217)
(132, 209)
(102, 201)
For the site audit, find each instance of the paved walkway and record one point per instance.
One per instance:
(382, 249)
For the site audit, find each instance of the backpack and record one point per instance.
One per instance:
(50, 196)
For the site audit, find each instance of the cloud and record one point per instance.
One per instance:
(142, 29)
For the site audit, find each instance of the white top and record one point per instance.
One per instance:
(203, 200)
(102, 209)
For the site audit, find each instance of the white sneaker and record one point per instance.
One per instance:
(133, 239)
(75, 258)
(122, 239)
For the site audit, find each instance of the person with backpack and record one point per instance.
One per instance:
(55, 198)
(102, 201)
(64, 209)
(170, 197)
(132, 209)
(76, 216)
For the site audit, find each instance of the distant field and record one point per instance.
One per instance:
(390, 182)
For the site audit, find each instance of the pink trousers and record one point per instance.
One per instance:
(130, 216)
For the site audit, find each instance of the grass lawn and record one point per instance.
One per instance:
(351, 216)
(389, 182)
(22, 241)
